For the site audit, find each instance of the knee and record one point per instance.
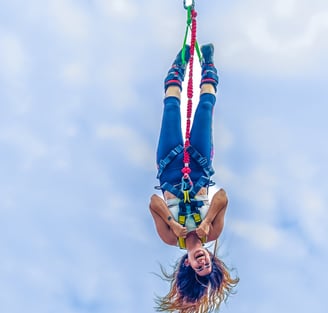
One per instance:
(171, 102)
(206, 104)
(207, 100)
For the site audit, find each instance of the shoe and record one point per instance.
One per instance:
(208, 53)
(209, 72)
(178, 59)
(176, 74)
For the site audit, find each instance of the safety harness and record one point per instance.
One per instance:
(187, 190)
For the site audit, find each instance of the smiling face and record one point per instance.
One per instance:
(200, 260)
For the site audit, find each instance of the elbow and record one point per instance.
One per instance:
(222, 197)
(172, 241)
(222, 193)
(153, 198)
(153, 202)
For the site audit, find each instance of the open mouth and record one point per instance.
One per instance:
(199, 254)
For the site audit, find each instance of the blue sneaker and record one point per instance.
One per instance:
(209, 72)
(176, 74)
(208, 53)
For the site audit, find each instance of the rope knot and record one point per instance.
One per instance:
(186, 171)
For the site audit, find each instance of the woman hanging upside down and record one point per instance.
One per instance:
(200, 281)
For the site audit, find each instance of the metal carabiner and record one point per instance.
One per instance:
(188, 3)
(186, 187)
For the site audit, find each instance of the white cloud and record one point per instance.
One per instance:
(271, 239)
(282, 185)
(128, 143)
(262, 235)
(310, 208)
(284, 8)
(223, 137)
(226, 175)
(13, 61)
(69, 19)
(261, 190)
(119, 78)
(281, 38)
(119, 9)
(26, 144)
(74, 74)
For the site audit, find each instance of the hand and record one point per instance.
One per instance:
(178, 230)
(203, 229)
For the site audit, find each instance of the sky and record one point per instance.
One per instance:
(81, 87)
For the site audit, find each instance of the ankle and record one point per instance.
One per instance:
(209, 76)
(175, 77)
(173, 91)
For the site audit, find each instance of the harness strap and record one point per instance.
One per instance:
(168, 159)
(170, 188)
(203, 181)
(201, 160)
(182, 242)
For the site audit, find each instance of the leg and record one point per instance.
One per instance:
(201, 132)
(171, 133)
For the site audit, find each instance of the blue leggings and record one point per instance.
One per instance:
(201, 137)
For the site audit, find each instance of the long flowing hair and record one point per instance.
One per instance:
(191, 293)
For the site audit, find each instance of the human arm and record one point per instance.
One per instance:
(167, 228)
(212, 225)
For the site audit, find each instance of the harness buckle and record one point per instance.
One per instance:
(162, 164)
(202, 161)
(186, 183)
(197, 218)
(182, 220)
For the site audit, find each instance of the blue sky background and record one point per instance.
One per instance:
(80, 108)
